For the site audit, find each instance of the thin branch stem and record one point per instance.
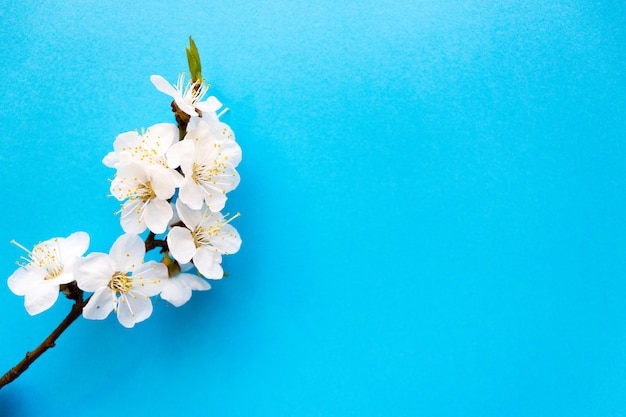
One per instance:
(72, 292)
(152, 243)
(48, 343)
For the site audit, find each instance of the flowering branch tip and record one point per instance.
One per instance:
(172, 181)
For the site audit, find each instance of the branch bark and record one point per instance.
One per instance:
(48, 343)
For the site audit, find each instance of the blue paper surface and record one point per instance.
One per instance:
(433, 205)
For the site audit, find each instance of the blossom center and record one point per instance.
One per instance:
(44, 256)
(145, 192)
(204, 233)
(121, 283)
(205, 174)
(148, 151)
(191, 93)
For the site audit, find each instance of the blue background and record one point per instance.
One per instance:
(433, 198)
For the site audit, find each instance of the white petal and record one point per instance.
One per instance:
(157, 215)
(131, 219)
(22, 280)
(174, 177)
(111, 160)
(73, 247)
(163, 135)
(181, 244)
(94, 271)
(228, 240)
(133, 308)
(129, 176)
(176, 152)
(208, 263)
(41, 297)
(186, 267)
(127, 252)
(202, 125)
(132, 170)
(211, 104)
(232, 150)
(195, 282)
(191, 218)
(65, 277)
(191, 194)
(149, 278)
(176, 291)
(162, 181)
(100, 305)
(163, 86)
(193, 122)
(215, 201)
(223, 131)
(141, 306)
(127, 140)
(190, 110)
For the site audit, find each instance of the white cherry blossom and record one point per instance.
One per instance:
(208, 162)
(187, 95)
(49, 265)
(177, 290)
(148, 147)
(120, 281)
(206, 237)
(145, 191)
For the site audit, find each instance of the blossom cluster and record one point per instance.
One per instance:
(172, 181)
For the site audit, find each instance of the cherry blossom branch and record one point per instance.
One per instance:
(212, 232)
(72, 292)
(77, 309)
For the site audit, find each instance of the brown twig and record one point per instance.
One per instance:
(152, 243)
(72, 292)
(48, 343)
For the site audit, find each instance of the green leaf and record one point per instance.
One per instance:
(193, 59)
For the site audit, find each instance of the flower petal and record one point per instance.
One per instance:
(181, 244)
(133, 308)
(191, 218)
(191, 194)
(22, 280)
(163, 181)
(208, 263)
(94, 271)
(190, 110)
(228, 240)
(233, 151)
(65, 277)
(162, 135)
(163, 85)
(131, 219)
(157, 215)
(149, 278)
(141, 306)
(176, 152)
(111, 159)
(124, 142)
(41, 297)
(195, 282)
(176, 291)
(127, 179)
(73, 247)
(211, 104)
(215, 200)
(127, 252)
(100, 305)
